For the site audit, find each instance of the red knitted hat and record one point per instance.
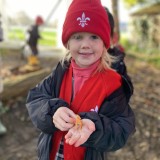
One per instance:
(39, 20)
(86, 16)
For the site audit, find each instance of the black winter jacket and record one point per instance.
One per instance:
(121, 68)
(114, 123)
(34, 35)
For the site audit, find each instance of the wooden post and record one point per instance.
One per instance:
(115, 8)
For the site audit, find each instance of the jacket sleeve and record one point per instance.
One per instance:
(114, 123)
(42, 104)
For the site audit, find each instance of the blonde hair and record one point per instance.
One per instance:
(105, 61)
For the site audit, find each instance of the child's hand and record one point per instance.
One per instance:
(64, 118)
(79, 136)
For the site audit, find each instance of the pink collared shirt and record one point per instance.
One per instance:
(80, 75)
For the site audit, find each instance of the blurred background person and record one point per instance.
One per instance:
(2, 127)
(32, 41)
(118, 51)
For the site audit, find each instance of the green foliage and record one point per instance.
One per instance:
(125, 42)
(3, 109)
(154, 60)
(151, 56)
(131, 3)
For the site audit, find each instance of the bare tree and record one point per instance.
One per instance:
(114, 4)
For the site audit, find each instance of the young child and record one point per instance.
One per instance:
(82, 84)
(33, 38)
(119, 65)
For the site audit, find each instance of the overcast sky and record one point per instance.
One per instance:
(44, 7)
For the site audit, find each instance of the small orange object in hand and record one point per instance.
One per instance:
(78, 122)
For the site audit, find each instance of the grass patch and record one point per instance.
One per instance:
(149, 55)
(17, 34)
(153, 59)
(49, 37)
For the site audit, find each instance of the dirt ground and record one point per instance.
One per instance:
(20, 141)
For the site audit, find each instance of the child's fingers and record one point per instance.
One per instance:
(72, 114)
(68, 120)
(68, 135)
(73, 139)
(82, 139)
(91, 128)
(72, 136)
(63, 118)
(73, 120)
(62, 125)
(68, 115)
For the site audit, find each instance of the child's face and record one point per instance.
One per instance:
(85, 48)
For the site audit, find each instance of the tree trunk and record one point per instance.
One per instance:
(114, 4)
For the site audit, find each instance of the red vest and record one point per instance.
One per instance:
(90, 97)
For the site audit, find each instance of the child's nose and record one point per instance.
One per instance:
(85, 43)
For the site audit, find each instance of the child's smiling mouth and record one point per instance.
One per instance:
(85, 53)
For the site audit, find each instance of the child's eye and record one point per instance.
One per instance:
(94, 37)
(77, 37)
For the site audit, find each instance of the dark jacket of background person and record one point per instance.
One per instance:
(118, 120)
(33, 35)
(121, 68)
(1, 32)
(118, 51)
